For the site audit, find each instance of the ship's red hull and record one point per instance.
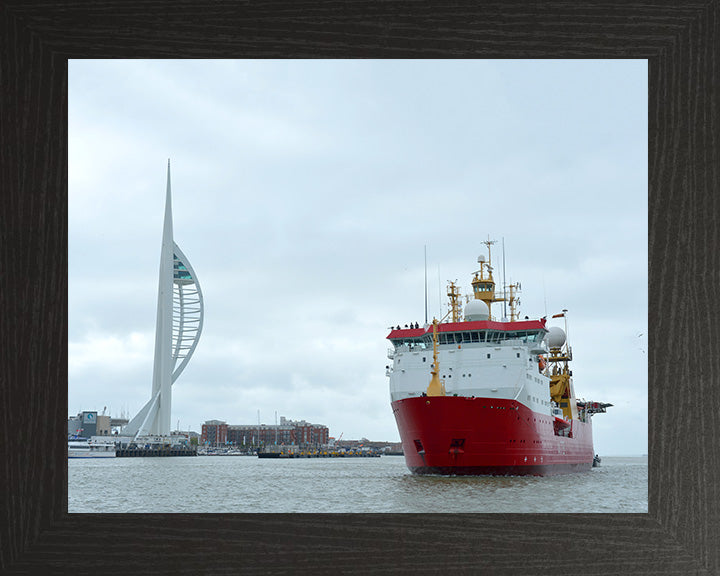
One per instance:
(487, 436)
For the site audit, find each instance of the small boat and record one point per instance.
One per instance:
(90, 448)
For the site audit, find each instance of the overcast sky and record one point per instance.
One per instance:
(304, 193)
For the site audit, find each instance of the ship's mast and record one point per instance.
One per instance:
(455, 301)
(513, 300)
(484, 285)
(489, 243)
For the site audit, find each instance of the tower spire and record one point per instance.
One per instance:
(177, 329)
(162, 369)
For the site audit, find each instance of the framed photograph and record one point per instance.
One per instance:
(675, 535)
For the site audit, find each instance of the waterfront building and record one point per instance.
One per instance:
(188, 434)
(214, 433)
(89, 423)
(177, 330)
(84, 425)
(103, 427)
(288, 432)
(311, 433)
(253, 434)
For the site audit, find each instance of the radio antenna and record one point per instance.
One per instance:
(439, 293)
(504, 298)
(425, 284)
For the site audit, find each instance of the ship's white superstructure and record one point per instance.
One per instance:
(479, 363)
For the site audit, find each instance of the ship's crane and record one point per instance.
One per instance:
(436, 386)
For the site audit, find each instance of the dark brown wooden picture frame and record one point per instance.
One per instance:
(680, 534)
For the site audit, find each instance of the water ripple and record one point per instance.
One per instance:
(247, 484)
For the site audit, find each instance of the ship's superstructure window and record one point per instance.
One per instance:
(522, 335)
(425, 341)
(411, 343)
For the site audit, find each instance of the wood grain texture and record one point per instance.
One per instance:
(681, 533)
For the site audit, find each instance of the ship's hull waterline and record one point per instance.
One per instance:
(488, 436)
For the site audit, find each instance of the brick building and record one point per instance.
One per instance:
(307, 433)
(288, 432)
(214, 433)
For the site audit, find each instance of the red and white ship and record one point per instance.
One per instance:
(475, 396)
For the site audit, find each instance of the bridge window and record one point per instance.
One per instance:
(410, 342)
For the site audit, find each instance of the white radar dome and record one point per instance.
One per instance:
(476, 310)
(555, 337)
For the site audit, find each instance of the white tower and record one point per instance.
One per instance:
(177, 330)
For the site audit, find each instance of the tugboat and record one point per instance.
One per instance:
(475, 396)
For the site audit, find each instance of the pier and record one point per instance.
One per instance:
(155, 451)
(319, 454)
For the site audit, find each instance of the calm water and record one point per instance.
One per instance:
(249, 484)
